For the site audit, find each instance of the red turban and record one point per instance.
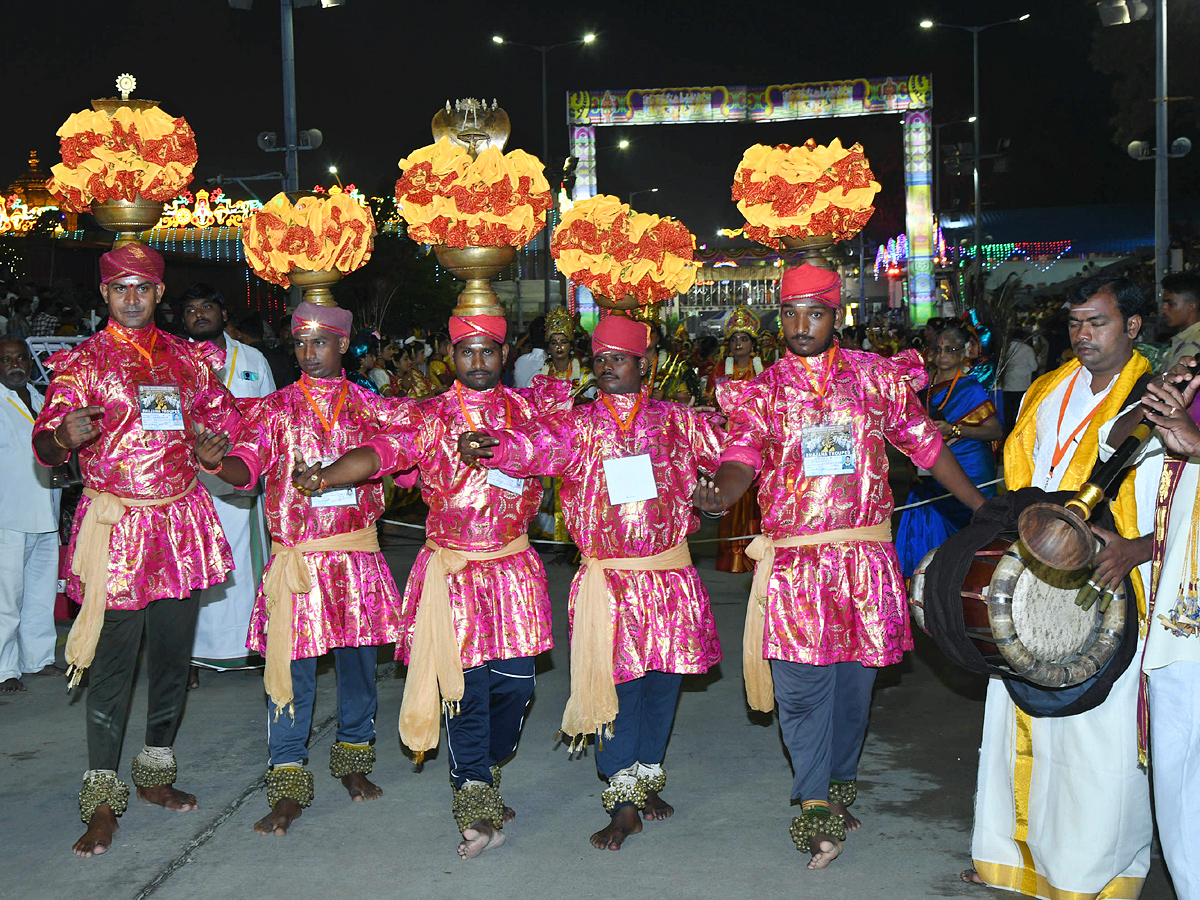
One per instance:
(134, 259)
(809, 282)
(462, 327)
(618, 334)
(331, 318)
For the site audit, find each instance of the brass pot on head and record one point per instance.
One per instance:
(813, 245)
(128, 218)
(476, 266)
(316, 285)
(624, 305)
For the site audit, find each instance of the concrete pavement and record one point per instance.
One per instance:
(728, 778)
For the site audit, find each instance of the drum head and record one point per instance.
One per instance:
(1044, 635)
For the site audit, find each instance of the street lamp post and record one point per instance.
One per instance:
(975, 31)
(633, 194)
(543, 49)
(937, 160)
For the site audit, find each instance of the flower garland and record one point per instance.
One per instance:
(755, 364)
(613, 251)
(801, 192)
(494, 200)
(323, 233)
(134, 152)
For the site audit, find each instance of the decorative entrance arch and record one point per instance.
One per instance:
(910, 96)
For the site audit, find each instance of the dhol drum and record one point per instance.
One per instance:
(1022, 616)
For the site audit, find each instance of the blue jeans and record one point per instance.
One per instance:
(488, 724)
(357, 698)
(645, 713)
(823, 714)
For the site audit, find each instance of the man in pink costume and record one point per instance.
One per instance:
(127, 400)
(828, 606)
(641, 617)
(327, 586)
(476, 610)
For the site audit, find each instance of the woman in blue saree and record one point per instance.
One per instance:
(968, 421)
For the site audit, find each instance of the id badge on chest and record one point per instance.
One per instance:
(344, 496)
(828, 449)
(506, 482)
(161, 407)
(630, 479)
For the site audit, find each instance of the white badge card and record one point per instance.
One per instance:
(161, 407)
(630, 479)
(828, 450)
(505, 482)
(344, 496)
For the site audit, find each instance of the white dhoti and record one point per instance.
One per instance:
(1061, 808)
(225, 608)
(1175, 757)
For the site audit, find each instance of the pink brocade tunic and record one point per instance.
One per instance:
(662, 621)
(501, 607)
(354, 601)
(156, 551)
(833, 602)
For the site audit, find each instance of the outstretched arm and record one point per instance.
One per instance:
(951, 476)
(721, 491)
(353, 467)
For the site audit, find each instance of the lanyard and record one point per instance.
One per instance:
(1060, 449)
(829, 355)
(21, 409)
(467, 414)
(946, 399)
(229, 380)
(626, 423)
(331, 423)
(135, 345)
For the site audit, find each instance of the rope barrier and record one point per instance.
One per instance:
(742, 537)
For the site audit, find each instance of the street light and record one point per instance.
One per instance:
(623, 143)
(543, 49)
(633, 194)
(975, 30)
(333, 171)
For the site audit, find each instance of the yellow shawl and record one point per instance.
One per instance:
(1018, 449)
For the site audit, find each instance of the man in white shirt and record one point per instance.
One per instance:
(29, 532)
(1061, 806)
(531, 363)
(225, 608)
(1171, 661)
(1016, 375)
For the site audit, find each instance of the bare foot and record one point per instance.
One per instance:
(625, 821)
(193, 678)
(824, 850)
(167, 797)
(970, 876)
(51, 669)
(852, 824)
(656, 808)
(509, 815)
(280, 818)
(361, 788)
(480, 835)
(12, 686)
(98, 837)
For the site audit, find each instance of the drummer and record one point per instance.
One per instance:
(1087, 823)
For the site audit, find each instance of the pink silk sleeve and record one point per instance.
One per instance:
(405, 430)
(214, 407)
(543, 447)
(746, 431)
(907, 424)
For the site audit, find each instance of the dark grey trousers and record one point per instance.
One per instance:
(823, 714)
(170, 627)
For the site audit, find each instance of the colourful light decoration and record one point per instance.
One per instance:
(17, 218)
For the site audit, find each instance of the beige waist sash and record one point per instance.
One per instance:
(435, 659)
(760, 689)
(93, 553)
(287, 576)
(592, 706)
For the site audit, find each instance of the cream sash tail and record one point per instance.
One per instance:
(756, 670)
(287, 576)
(93, 553)
(435, 674)
(592, 706)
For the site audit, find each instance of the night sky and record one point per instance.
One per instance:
(372, 73)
